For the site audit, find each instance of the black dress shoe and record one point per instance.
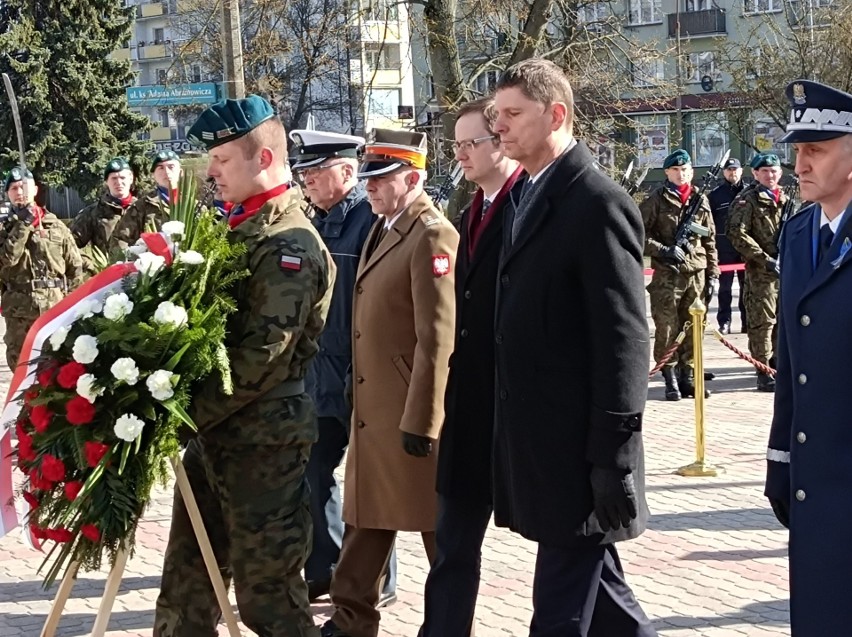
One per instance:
(725, 328)
(330, 629)
(318, 588)
(386, 600)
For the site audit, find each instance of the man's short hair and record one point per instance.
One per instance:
(484, 106)
(268, 134)
(541, 81)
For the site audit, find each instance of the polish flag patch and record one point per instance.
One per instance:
(440, 264)
(291, 263)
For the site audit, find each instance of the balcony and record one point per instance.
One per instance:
(151, 10)
(698, 23)
(156, 51)
(121, 54)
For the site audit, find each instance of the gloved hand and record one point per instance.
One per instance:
(673, 254)
(414, 445)
(711, 288)
(771, 264)
(25, 215)
(614, 496)
(347, 389)
(781, 508)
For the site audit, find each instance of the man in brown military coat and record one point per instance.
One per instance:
(402, 335)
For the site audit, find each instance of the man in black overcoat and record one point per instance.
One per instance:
(571, 343)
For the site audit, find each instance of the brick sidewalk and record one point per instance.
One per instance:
(712, 564)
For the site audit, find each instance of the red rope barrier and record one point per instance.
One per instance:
(667, 356)
(766, 369)
(733, 267)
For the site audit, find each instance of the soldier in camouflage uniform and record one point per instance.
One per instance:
(39, 262)
(753, 226)
(680, 276)
(152, 209)
(94, 224)
(247, 464)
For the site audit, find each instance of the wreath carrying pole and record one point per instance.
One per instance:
(62, 595)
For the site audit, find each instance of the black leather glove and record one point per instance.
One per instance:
(414, 445)
(711, 288)
(674, 254)
(781, 508)
(347, 389)
(772, 265)
(614, 495)
(25, 215)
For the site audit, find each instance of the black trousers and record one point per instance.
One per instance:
(726, 296)
(581, 592)
(453, 582)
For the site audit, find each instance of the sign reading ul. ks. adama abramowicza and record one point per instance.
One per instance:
(172, 95)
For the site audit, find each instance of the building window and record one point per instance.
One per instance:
(485, 83)
(709, 135)
(593, 13)
(763, 6)
(645, 11)
(652, 139)
(382, 56)
(383, 103)
(381, 10)
(698, 5)
(163, 114)
(648, 73)
(765, 137)
(697, 65)
(195, 74)
(162, 76)
(159, 36)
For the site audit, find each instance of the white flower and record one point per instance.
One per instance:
(174, 228)
(170, 314)
(85, 349)
(139, 248)
(190, 257)
(160, 384)
(89, 308)
(86, 388)
(117, 306)
(128, 427)
(57, 339)
(125, 369)
(150, 263)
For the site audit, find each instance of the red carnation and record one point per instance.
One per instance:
(52, 468)
(40, 417)
(91, 532)
(95, 451)
(37, 532)
(37, 481)
(60, 534)
(25, 445)
(31, 499)
(69, 373)
(30, 395)
(45, 376)
(79, 411)
(72, 489)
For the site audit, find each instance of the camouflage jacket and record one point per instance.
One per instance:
(38, 265)
(282, 306)
(753, 225)
(661, 214)
(149, 210)
(94, 224)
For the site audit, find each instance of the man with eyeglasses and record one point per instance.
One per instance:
(327, 166)
(464, 464)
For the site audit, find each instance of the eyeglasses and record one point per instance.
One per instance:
(313, 170)
(468, 145)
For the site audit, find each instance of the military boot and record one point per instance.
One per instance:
(765, 382)
(672, 390)
(686, 380)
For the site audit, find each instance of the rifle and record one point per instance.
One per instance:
(688, 226)
(633, 188)
(791, 191)
(442, 196)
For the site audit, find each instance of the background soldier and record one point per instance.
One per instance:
(679, 277)
(720, 199)
(327, 165)
(39, 262)
(247, 464)
(753, 226)
(151, 210)
(95, 223)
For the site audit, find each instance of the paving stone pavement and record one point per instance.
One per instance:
(712, 564)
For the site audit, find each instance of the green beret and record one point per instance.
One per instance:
(164, 155)
(116, 166)
(15, 175)
(764, 160)
(228, 120)
(678, 158)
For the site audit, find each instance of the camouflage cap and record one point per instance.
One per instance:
(15, 175)
(164, 155)
(116, 166)
(228, 120)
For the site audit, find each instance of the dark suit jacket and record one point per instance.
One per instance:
(571, 356)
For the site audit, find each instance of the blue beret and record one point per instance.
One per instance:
(228, 120)
(765, 160)
(818, 112)
(164, 155)
(15, 175)
(678, 158)
(116, 166)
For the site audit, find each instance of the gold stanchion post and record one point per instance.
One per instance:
(700, 467)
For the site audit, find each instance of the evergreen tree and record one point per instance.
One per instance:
(70, 90)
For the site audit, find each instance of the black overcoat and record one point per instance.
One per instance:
(572, 356)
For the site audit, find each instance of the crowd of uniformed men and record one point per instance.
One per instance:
(372, 323)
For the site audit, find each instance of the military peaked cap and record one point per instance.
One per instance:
(389, 150)
(678, 158)
(228, 120)
(312, 147)
(818, 112)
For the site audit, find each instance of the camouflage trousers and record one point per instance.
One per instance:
(671, 295)
(16, 332)
(248, 476)
(761, 301)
